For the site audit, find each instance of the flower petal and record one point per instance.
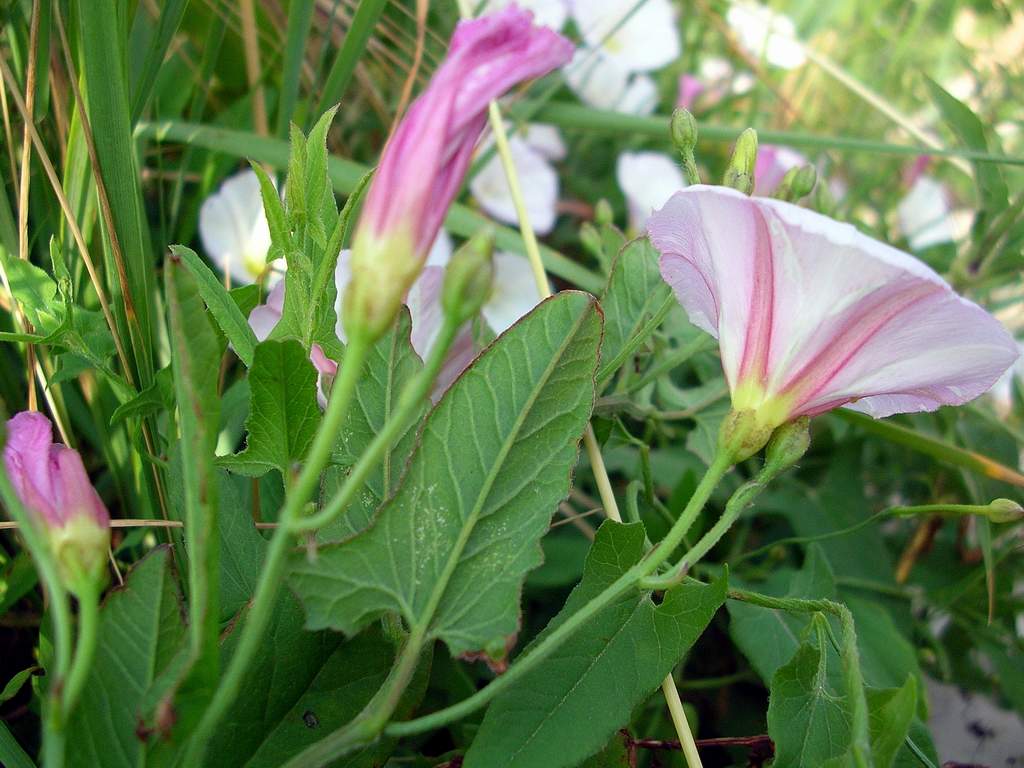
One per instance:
(514, 294)
(773, 163)
(234, 229)
(647, 39)
(27, 461)
(265, 317)
(924, 214)
(647, 179)
(764, 32)
(538, 181)
(547, 13)
(819, 313)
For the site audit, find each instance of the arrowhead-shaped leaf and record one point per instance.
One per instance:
(450, 549)
(572, 704)
(283, 414)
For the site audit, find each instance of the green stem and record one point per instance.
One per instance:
(672, 360)
(275, 563)
(85, 648)
(409, 401)
(60, 614)
(720, 465)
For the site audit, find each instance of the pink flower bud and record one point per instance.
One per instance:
(425, 160)
(51, 482)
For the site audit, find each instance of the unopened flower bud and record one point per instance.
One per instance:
(603, 213)
(797, 183)
(742, 434)
(683, 129)
(469, 278)
(383, 268)
(1005, 511)
(740, 173)
(590, 239)
(788, 445)
(51, 482)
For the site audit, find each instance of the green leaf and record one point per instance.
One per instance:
(36, 292)
(634, 295)
(891, 712)
(223, 308)
(283, 413)
(171, 13)
(140, 628)
(157, 397)
(573, 703)
(11, 753)
(808, 720)
(389, 366)
(769, 638)
(14, 684)
(992, 190)
(449, 550)
(196, 350)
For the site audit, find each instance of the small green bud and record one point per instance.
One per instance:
(787, 445)
(742, 435)
(1005, 511)
(797, 183)
(683, 130)
(740, 173)
(603, 213)
(469, 277)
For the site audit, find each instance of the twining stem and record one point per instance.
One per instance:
(557, 638)
(850, 655)
(301, 491)
(409, 401)
(675, 709)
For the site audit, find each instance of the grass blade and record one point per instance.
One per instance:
(363, 22)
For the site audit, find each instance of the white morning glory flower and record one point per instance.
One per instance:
(635, 37)
(234, 231)
(764, 32)
(647, 180)
(547, 13)
(537, 178)
(924, 214)
(601, 83)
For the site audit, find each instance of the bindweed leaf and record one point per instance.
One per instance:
(808, 718)
(891, 712)
(389, 366)
(572, 704)
(223, 308)
(635, 294)
(140, 629)
(450, 549)
(283, 413)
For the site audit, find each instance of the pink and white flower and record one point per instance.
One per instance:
(602, 83)
(52, 483)
(426, 158)
(634, 37)
(811, 314)
(547, 13)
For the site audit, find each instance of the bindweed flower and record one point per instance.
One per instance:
(647, 180)
(765, 33)
(811, 314)
(235, 233)
(925, 215)
(602, 83)
(425, 160)
(51, 482)
(532, 155)
(713, 81)
(634, 37)
(547, 13)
